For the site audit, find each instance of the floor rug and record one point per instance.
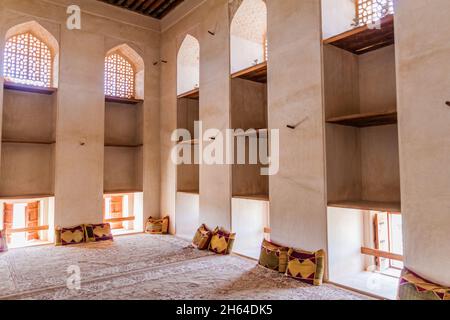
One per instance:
(147, 267)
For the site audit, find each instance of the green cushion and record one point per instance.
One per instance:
(273, 256)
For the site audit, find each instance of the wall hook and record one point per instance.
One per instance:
(211, 33)
(447, 103)
(156, 62)
(293, 127)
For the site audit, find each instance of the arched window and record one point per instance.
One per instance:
(28, 60)
(188, 65)
(119, 76)
(248, 35)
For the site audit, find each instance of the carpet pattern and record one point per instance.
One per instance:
(148, 267)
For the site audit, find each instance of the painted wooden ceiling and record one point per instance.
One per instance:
(152, 8)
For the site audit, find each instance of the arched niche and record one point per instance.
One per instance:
(248, 35)
(44, 36)
(138, 65)
(188, 65)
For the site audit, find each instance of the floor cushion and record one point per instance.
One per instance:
(157, 226)
(414, 287)
(202, 238)
(98, 232)
(273, 256)
(222, 241)
(306, 266)
(3, 241)
(70, 236)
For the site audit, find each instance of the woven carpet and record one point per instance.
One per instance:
(147, 267)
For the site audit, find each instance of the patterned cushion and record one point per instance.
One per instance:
(413, 287)
(58, 241)
(157, 226)
(3, 242)
(202, 238)
(306, 266)
(273, 256)
(222, 241)
(73, 235)
(99, 232)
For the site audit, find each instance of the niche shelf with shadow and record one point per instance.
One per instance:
(28, 141)
(362, 157)
(123, 146)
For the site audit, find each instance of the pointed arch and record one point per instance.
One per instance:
(188, 65)
(124, 73)
(31, 55)
(248, 35)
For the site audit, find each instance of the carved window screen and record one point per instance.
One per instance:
(119, 77)
(369, 11)
(28, 60)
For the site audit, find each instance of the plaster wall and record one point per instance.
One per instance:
(337, 16)
(245, 53)
(187, 215)
(345, 238)
(26, 169)
(422, 53)
(297, 192)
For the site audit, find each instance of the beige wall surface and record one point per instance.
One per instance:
(297, 192)
(80, 99)
(423, 68)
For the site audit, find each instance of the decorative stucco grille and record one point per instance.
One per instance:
(119, 77)
(28, 60)
(369, 11)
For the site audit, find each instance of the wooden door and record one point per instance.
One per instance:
(116, 211)
(8, 213)
(32, 219)
(381, 225)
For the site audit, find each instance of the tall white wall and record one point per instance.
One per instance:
(423, 68)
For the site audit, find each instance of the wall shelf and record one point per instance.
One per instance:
(122, 100)
(195, 192)
(111, 145)
(256, 132)
(367, 205)
(257, 73)
(193, 94)
(364, 39)
(191, 142)
(27, 196)
(27, 88)
(127, 191)
(11, 141)
(366, 119)
(256, 197)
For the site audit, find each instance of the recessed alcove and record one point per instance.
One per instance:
(362, 147)
(188, 113)
(249, 119)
